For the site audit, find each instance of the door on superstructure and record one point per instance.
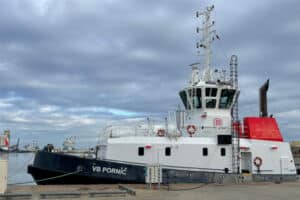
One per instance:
(246, 164)
(284, 165)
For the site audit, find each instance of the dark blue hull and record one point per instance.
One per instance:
(56, 168)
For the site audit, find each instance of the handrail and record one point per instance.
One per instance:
(167, 166)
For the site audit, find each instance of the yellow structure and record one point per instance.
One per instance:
(3, 176)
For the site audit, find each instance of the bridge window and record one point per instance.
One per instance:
(210, 95)
(226, 98)
(195, 95)
(184, 100)
(211, 92)
(193, 99)
(211, 103)
(141, 151)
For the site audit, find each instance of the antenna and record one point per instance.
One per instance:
(208, 36)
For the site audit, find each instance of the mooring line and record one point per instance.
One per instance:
(47, 179)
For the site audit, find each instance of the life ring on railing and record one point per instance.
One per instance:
(191, 129)
(257, 161)
(161, 132)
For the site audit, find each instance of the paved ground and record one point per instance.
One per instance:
(271, 191)
(264, 191)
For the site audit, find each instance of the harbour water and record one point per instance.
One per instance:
(17, 167)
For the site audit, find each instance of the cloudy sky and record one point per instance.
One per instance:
(69, 67)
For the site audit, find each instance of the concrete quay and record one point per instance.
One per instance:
(266, 191)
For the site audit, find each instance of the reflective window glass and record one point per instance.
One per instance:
(211, 92)
(183, 97)
(226, 98)
(211, 103)
(195, 96)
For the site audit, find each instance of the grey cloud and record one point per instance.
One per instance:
(132, 56)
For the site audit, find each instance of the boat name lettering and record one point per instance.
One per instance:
(110, 170)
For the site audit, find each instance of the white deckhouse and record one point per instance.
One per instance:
(207, 136)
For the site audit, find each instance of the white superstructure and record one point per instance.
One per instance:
(202, 136)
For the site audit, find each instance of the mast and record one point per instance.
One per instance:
(208, 36)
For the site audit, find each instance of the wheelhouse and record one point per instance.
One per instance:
(208, 97)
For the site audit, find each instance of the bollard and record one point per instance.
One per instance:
(3, 176)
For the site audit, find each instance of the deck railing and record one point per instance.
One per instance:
(173, 125)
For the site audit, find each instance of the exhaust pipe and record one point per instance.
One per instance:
(263, 102)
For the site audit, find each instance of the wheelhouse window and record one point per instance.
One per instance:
(223, 152)
(141, 151)
(195, 95)
(205, 151)
(211, 103)
(210, 97)
(168, 151)
(191, 98)
(211, 92)
(226, 98)
(183, 97)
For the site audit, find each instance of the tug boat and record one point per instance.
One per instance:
(203, 143)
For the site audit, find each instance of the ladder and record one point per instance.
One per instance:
(235, 152)
(235, 118)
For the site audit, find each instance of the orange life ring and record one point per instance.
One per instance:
(191, 129)
(257, 161)
(161, 132)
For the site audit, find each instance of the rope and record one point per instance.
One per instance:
(16, 171)
(47, 179)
